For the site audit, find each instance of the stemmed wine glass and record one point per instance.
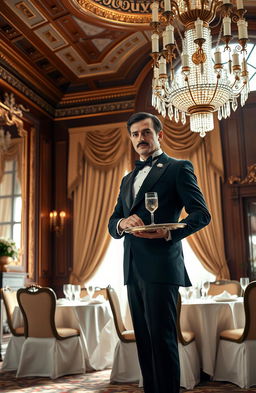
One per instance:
(244, 281)
(151, 204)
(205, 288)
(76, 292)
(90, 291)
(67, 290)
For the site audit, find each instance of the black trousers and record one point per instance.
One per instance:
(153, 311)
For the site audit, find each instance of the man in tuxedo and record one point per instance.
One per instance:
(153, 261)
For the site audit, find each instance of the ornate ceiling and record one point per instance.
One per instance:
(70, 50)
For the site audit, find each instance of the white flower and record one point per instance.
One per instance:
(160, 165)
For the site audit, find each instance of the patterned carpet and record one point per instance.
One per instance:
(96, 382)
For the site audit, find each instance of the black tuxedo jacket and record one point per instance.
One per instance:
(158, 260)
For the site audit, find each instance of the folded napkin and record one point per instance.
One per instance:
(97, 300)
(224, 296)
(63, 300)
(85, 299)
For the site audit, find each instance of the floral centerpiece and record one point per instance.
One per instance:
(8, 252)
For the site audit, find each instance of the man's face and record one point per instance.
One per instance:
(144, 138)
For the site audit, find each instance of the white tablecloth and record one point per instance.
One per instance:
(97, 330)
(207, 319)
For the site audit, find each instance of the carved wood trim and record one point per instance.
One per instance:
(250, 177)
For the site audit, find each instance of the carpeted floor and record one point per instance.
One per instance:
(95, 382)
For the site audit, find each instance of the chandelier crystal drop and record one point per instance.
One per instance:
(202, 85)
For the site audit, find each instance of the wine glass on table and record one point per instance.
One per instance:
(77, 292)
(90, 290)
(244, 281)
(67, 291)
(151, 204)
(205, 288)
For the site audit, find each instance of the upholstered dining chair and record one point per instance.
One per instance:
(188, 354)
(219, 286)
(236, 356)
(125, 364)
(13, 350)
(47, 350)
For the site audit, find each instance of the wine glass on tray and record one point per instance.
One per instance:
(151, 204)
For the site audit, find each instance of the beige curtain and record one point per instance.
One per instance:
(14, 152)
(206, 156)
(98, 157)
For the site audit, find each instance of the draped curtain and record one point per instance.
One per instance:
(98, 158)
(14, 152)
(206, 156)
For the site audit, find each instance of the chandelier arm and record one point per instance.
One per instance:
(214, 6)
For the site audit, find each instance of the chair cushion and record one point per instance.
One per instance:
(231, 334)
(128, 335)
(188, 336)
(66, 332)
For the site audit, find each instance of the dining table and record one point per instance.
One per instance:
(207, 318)
(95, 322)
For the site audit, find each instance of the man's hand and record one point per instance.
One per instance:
(131, 221)
(157, 234)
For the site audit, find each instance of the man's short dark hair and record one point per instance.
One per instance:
(142, 116)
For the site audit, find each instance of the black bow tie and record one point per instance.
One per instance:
(141, 164)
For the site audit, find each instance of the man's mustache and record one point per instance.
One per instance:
(142, 143)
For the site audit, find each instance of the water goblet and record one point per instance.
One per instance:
(188, 292)
(67, 290)
(151, 204)
(77, 291)
(90, 290)
(205, 288)
(244, 281)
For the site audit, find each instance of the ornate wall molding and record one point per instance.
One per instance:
(22, 88)
(88, 109)
(93, 110)
(250, 178)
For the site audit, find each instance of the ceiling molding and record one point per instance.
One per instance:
(94, 110)
(28, 72)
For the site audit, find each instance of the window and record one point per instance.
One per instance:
(10, 203)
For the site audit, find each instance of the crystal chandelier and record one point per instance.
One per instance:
(202, 85)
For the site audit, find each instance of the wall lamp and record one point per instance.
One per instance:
(57, 220)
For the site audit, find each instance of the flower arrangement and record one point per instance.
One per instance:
(8, 248)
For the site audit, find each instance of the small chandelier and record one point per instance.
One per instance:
(201, 86)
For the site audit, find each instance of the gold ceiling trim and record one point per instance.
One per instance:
(118, 11)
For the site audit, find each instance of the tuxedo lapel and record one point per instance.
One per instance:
(127, 190)
(156, 172)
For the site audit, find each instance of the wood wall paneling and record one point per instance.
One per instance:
(45, 257)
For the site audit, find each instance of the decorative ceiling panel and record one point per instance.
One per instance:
(26, 11)
(50, 36)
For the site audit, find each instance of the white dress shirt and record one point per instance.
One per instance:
(142, 174)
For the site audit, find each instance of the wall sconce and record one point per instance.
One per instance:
(57, 221)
